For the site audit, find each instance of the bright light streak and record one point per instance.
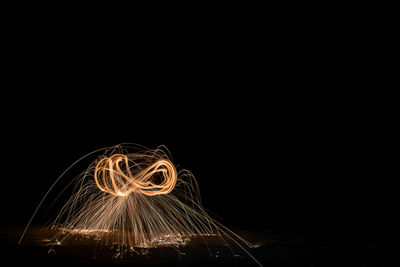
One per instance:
(111, 178)
(135, 197)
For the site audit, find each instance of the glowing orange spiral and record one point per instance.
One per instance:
(117, 181)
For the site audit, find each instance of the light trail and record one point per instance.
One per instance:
(110, 178)
(135, 197)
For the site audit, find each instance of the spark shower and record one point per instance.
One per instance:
(135, 197)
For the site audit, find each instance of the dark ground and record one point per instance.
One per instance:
(273, 249)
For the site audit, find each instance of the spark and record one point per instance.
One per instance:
(108, 172)
(135, 197)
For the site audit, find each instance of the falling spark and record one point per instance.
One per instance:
(134, 197)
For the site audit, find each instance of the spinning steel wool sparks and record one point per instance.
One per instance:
(135, 197)
(123, 182)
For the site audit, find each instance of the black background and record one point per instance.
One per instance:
(279, 127)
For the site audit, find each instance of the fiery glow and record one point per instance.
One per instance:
(135, 197)
(111, 178)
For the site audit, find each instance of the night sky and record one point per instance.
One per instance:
(279, 134)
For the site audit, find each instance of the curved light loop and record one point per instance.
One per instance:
(111, 178)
